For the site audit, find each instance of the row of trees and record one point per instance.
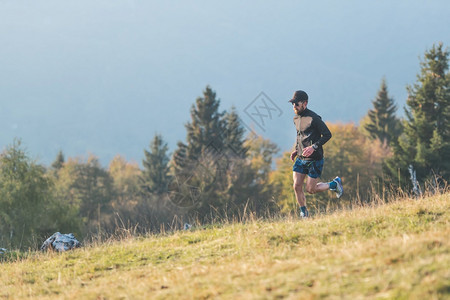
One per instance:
(219, 172)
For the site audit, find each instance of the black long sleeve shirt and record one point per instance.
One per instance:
(310, 130)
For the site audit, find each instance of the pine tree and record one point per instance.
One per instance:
(155, 176)
(207, 125)
(196, 162)
(426, 140)
(59, 161)
(217, 173)
(381, 121)
(179, 159)
(205, 167)
(204, 133)
(233, 135)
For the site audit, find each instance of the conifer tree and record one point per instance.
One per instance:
(196, 162)
(59, 161)
(203, 131)
(381, 121)
(179, 158)
(155, 176)
(205, 167)
(233, 135)
(206, 126)
(426, 141)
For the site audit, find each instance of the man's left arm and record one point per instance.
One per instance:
(325, 133)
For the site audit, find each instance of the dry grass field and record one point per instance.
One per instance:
(399, 250)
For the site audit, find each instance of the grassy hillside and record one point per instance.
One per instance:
(400, 250)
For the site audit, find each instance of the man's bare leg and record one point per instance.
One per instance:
(299, 179)
(313, 186)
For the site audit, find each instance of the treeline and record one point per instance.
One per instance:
(220, 172)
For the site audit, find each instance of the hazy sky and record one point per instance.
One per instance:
(103, 77)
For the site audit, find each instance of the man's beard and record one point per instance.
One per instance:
(298, 111)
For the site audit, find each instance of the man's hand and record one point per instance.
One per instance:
(293, 155)
(307, 151)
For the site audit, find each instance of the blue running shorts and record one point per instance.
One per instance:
(313, 168)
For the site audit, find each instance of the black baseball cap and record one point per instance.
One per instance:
(299, 96)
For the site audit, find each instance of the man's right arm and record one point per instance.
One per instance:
(293, 155)
(295, 152)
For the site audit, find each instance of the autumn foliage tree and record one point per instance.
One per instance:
(126, 181)
(356, 159)
(87, 187)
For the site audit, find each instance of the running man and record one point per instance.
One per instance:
(312, 134)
